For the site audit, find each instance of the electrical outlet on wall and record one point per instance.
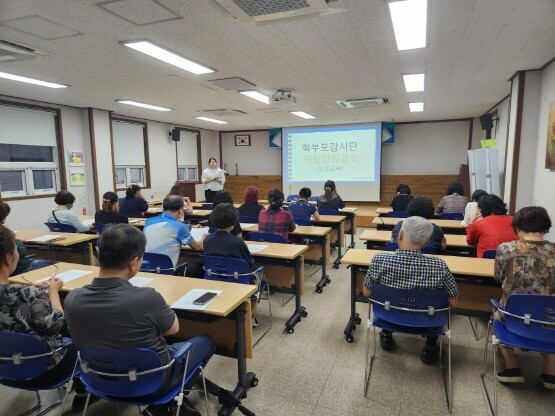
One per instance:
(83, 200)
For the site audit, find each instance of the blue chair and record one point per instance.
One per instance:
(489, 254)
(451, 216)
(22, 357)
(425, 250)
(60, 228)
(265, 236)
(99, 227)
(159, 263)
(285, 208)
(528, 323)
(127, 375)
(302, 221)
(208, 206)
(212, 230)
(248, 220)
(292, 197)
(398, 214)
(227, 269)
(314, 198)
(411, 312)
(328, 212)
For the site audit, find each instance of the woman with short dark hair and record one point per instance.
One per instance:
(62, 213)
(454, 201)
(527, 266)
(224, 197)
(402, 198)
(472, 206)
(177, 189)
(133, 205)
(109, 214)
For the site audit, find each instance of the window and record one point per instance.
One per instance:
(29, 154)
(130, 155)
(188, 148)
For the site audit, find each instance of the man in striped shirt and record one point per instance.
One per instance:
(409, 269)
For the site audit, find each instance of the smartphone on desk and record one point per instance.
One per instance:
(207, 297)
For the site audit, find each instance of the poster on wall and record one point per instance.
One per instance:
(388, 133)
(75, 158)
(550, 143)
(76, 177)
(275, 138)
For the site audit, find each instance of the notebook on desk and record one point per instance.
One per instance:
(48, 238)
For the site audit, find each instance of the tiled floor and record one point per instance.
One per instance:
(316, 372)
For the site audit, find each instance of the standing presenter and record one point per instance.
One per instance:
(213, 179)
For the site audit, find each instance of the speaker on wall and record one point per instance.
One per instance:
(486, 121)
(175, 134)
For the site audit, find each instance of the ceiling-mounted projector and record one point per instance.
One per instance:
(283, 98)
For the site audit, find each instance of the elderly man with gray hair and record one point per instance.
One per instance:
(408, 269)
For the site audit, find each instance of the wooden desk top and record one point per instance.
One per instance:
(327, 219)
(136, 222)
(69, 238)
(384, 236)
(170, 287)
(384, 210)
(279, 251)
(199, 213)
(469, 266)
(305, 230)
(441, 223)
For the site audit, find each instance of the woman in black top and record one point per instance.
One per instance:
(109, 213)
(402, 199)
(133, 205)
(330, 199)
(251, 207)
(219, 198)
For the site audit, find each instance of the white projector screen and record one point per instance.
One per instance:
(349, 155)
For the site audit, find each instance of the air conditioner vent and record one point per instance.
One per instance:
(363, 102)
(224, 112)
(12, 52)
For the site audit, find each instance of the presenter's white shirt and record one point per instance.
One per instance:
(208, 174)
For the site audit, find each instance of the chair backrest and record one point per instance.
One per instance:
(292, 197)
(60, 228)
(389, 246)
(208, 206)
(452, 216)
(14, 347)
(323, 211)
(429, 250)
(302, 221)
(265, 236)
(248, 220)
(227, 269)
(398, 214)
(489, 254)
(99, 227)
(424, 308)
(120, 200)
(157, 263)
(536, 307)
(126, 362)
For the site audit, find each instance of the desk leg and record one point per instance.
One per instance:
(325, 278)
(352, 217)
(354, 319)
(337, 261)
(300, 311)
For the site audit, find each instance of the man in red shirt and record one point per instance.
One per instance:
(489, 225)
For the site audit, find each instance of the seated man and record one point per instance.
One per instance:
(301, 208)
(111, 312)
(409, 269)
(165, 233)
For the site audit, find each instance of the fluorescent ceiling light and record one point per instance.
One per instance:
(409, 23)
(302, 114)
(256, 95)
(414, 82)
(138, 104)
(416, 107)
(165, 55)
(212, 120)
(31, 80)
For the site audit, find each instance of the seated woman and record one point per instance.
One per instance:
(489, 225)
(251, 207)
(454, 201)
(109, 214)
(62, 212)
(221, 197)
(178, 190)
(422, 207)
(301, 208)
(330, 199)
(402, 198)
(472, 206)
(133, 205)
(36, 311)
(274, 219)
(527, 266)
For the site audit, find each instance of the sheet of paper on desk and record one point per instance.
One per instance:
(255, 248)
(88, 222)
(347, 209)
(69, 275)
(186, 301)
(246, 225)
(134, 221)
(139, 281)
(197, 233)
(47, 238)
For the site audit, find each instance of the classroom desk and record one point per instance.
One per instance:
(448, 226)
(318, 253)
(135, 222)
(276, 258)
(456, 243)
(474, 278)
(71, 244)
(350, 221)
(383, 211)
(226, 318)
(337, 224)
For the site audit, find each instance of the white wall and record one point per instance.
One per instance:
(256, 159)
(103, 146)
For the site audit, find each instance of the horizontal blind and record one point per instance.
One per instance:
(26, 126)
(187, 149)
(129, 148)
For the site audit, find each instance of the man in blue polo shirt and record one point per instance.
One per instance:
(166, 233)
